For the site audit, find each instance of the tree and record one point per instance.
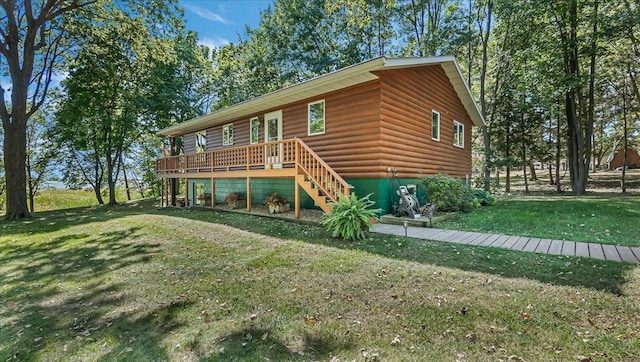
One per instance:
(579, 90)
(32, 42)
(111, 93)
(40, 151)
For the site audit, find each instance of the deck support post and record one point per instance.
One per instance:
(174, 190)
(297, 197)
(186, 192)
(213, 192)
(248, 193)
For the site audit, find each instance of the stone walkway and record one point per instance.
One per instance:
(544, 246)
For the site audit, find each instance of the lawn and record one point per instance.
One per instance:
(132, 282)
(601, 219)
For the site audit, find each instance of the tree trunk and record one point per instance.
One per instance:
(126, 181)
(111, 179)
(15, 154)
(524, 164)
(507, 181)
(558, 150)
(624, 140)
(532, 169)
(486, 137)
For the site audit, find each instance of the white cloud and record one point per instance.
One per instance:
(207, 14)
(213, 43)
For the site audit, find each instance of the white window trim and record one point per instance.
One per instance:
(439, 125)
(257, 123)
(324, 118)
(226, 142)
(461, 138)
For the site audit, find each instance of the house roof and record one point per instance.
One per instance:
(339, 79)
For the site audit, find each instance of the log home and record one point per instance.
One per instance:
(346, 131)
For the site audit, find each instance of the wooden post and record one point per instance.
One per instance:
(248, 193)
(297, 195)
(213, 192)
(186, 192)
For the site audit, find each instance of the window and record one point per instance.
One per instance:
(458, 134)
(255, 130)
(201, 141)
(227, 134)
(316, 118)
(435, 126)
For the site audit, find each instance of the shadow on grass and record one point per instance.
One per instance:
(560, 270)
(255, 344)
(55, 220)
(71, 285)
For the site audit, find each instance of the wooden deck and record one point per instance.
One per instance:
(543, 246)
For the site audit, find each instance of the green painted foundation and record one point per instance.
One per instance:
(382, 190)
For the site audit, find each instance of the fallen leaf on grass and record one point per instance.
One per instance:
(395, 341)
(525, 315)
(310, 319)
(584, 358)
(394, 296)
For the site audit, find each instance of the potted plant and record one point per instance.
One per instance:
(276, 203)
(235, 200)
(204, 198)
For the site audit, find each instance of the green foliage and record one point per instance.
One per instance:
(350, 217)
(451, 194)
(481, 182)
(233, 197)
(484, 198)
(275, 199)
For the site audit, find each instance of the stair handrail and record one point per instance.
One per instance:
(344, 188)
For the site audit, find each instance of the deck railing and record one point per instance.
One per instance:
(287, 153)
(318, 172)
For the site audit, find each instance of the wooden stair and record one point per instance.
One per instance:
(317, 178)
(315, 193)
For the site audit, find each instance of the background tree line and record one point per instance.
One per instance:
(555, 80)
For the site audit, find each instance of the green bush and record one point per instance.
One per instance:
(484, 198)
(451, 194)
(493, 183)
(349, 218)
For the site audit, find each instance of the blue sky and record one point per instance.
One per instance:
(219, 22)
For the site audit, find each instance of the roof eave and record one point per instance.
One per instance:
(336, 80)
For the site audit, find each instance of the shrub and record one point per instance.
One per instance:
(484, 198)
(350, 217)
(481, 182)
(451, 194)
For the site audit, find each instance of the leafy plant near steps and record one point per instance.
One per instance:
(350, 217)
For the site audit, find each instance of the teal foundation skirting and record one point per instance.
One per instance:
(382, 190)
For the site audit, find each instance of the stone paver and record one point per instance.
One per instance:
(626, 254)
(537, 245)
(595, 251)
(582, 249)
(543, 246)
(555, 247)
(610, 252)
(532, 244)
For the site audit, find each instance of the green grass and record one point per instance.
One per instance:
(135, 283)
(58, 199)
(601, 219)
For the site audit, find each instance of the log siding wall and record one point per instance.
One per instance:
(350, 144)
(372, 126)
(407, 98)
